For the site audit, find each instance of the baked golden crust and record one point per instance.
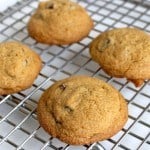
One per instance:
(123, 52)
(19, 66)
(59, 22)
(82, 110)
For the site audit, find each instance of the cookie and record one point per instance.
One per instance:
(59, 22)
(123, 52)
(82, 110)
(19, 66)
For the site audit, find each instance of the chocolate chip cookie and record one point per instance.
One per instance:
(123, 52)
(82, 110)
(19, 66)
(59, 22)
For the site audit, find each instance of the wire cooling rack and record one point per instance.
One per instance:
(19, 128)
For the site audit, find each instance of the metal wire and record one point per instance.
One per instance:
(19, 128)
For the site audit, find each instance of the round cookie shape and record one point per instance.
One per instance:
(59, 22)
(123, 52)
(19, 66)
(82, 110)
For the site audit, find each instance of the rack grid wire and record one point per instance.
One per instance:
(19, 127)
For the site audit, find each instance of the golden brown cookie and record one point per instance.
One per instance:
(19, 66)
(123, 52)
(59, 22)
(82, 110)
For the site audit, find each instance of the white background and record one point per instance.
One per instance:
(6, 3)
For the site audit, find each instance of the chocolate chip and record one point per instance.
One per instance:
(56, 120)
(50, 6)
(101, 48)
(62, 86)
(68, 109)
